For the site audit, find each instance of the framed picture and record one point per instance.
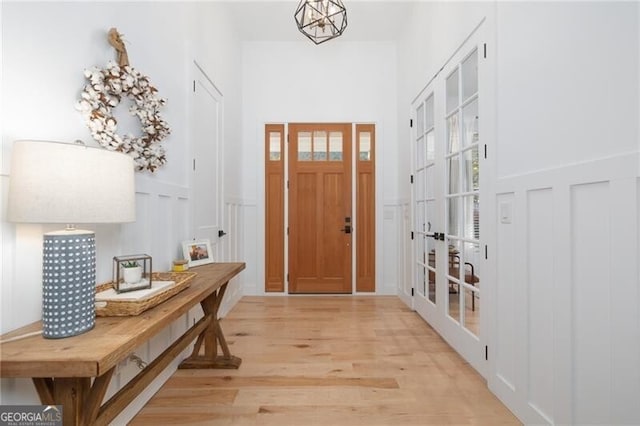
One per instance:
(197, 252)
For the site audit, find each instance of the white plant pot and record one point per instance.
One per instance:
(132, 275)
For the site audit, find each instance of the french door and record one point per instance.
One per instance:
(449, 252)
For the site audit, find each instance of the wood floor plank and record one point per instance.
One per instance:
(329, 361)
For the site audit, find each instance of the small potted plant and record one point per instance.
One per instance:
(132, 272)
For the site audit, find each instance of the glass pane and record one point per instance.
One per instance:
(430, 176)
(470, 123)
(454, 300)
(472, 217)
(431, 253)
(365, 146)
(472, 295)
(471, 262)
(420, 152)
(470, 76)
(420, 183)
(453, 227)
(420, 120)
(453, 272)
(453, 167)
(428, 121)
(454, 258)
(335, 146)
(431, 145)
(453, 136)
(421, 278)
(430, 220)
(320, 146)
(472, 311)
(452, 91)
(304, 146)
(421, 214)
(274, 146)
(471, 170)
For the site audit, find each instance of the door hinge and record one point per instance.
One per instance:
(411, 178)
(412, 235)
(194, 164)
(486, 353)
(486, 256)
(485, 51)
(411, 122)
(485, 151)
(412, 292)
(194, 86)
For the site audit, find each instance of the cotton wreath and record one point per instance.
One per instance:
(103, 92)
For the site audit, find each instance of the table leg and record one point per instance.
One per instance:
(211, 337)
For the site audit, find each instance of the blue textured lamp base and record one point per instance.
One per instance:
(68, 283)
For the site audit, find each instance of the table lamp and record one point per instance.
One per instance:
(54, 182)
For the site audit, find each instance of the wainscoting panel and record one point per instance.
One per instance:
(540, 284)
(567, 326)
(590, 270)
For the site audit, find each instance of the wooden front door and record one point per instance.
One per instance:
(320, 218)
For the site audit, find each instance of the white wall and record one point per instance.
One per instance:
(564, 345)
(286, 82)
(46, 47)
(567, 156)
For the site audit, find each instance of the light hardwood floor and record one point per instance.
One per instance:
(329, 361)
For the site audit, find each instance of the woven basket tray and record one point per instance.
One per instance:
(123, 308)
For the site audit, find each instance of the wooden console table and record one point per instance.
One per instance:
(62, 369)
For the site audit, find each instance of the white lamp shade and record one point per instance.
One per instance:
(53, 182)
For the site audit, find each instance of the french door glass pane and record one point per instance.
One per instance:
(431, 146)
(431, 253)
(471, 170)
(454, 254)
(421, 212)
(472, 261)
(320, 146)
(335, 146)
(453, 139)
(304, 146)
(421, 184)
(452, 91)
(453, 212)
(274, 146)
(428, 113)
(470, 123)
(472, 257)
(421, 273)
(430, 172)
(471, 311)
(420, 120)
(472, 217)
(470, 75)
(454, 175)
(420, 152)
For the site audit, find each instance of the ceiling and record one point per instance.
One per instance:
(273, 20)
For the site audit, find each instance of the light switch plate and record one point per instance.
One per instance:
(505, 213)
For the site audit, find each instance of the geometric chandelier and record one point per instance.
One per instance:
(321, 20)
